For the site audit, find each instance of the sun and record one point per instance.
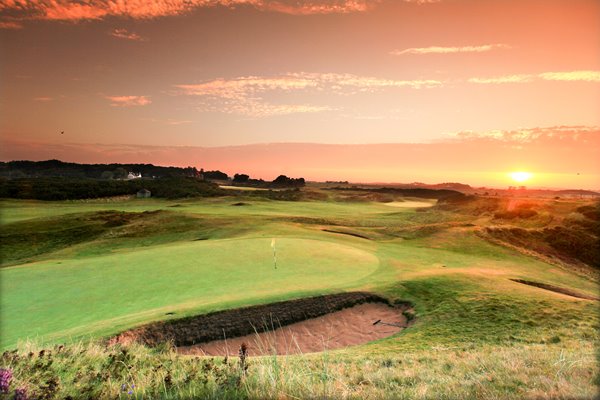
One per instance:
(521, 176)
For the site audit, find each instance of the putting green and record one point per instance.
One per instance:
(55, 300)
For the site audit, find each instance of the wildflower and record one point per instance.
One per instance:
(5, 379)
(21, 394)
(243, 354)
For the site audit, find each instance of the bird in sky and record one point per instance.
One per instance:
(62, 132)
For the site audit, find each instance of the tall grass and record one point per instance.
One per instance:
(91, 370)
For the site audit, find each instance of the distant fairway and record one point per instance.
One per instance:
(91, 296)
(410, 204)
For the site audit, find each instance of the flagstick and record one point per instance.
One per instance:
(274, 253)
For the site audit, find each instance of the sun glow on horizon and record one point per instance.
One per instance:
(521, 176)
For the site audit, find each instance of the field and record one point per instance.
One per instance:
(76, 272)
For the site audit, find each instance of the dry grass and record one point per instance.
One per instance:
(468, 372)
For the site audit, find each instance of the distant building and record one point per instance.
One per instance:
(143, 193)
(134, 175)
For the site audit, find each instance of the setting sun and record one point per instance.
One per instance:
(520, 176)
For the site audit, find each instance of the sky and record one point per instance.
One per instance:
(368, 91)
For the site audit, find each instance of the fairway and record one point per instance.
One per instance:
(56, 300)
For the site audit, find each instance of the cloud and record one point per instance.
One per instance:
(567, 156)
(504, 79)
(178, 122)
(246, 95)
(122, 33)
(142, 9)
(43, 99)
(566, 76)
(308, 7)
(10, 25)
(450, 50)
(128, 101)
(586, 76)
(423, 1)
(557, 134)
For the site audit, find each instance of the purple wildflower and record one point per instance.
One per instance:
(5, 379)
(21, 394)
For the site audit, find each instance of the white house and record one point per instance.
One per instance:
(134, 175)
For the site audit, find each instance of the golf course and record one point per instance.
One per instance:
(76, 273)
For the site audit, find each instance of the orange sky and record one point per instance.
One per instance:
(465, 90)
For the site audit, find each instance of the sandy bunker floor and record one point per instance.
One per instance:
(409, 204)
(348, 327)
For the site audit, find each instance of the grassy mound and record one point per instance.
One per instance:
(95, 233)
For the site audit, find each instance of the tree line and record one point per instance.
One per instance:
(57, 188)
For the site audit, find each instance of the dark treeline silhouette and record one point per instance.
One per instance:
(215, 175)
(56, 168)
(241, 178)
(281, 181)
(284, 181)
(86, 188)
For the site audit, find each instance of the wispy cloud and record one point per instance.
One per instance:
(586, 76)
(566, 76)
(122, 33)
(450, 49)
(99, 9)
(178, 121)
(504, 79)
(10, 25)
(43, 98)
(128, 101)
(308, 7)
(423, 1)
(557, 134)
(169, 121)
(245, 95)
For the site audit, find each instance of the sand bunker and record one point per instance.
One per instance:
(302, 325)
(246, 188)
(409, 204)
(557, 289)
(340, 329)
(346, 233)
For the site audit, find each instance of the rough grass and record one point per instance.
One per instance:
(98, 232)
(548, 371)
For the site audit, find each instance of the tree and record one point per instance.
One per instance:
(217, 175)
(284, 181)
(106, 175)
(241, 178)
(120, 173)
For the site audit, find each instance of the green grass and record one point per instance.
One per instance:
(91, 296)
(76, 271)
